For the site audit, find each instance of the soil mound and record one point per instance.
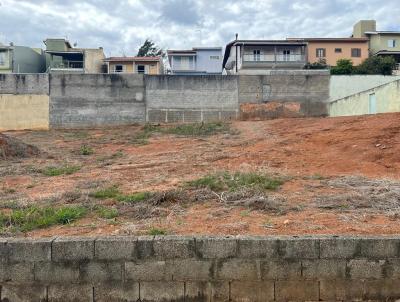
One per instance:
(11, 147)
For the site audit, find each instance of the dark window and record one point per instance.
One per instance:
(338, 50)
(356, 52)
(321, 52)
(140, 69)
(119, 68)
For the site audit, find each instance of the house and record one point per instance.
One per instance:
(21, 59)
(330, 50)
(258, 56)
(61, 57)
(197, 61)
(381, 43)
(145, 65)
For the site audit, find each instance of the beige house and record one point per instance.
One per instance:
(144, 65)
(330, 50)
(381, 43)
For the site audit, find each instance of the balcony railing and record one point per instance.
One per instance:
(67, 65)
(280, 58)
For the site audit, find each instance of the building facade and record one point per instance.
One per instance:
(197, 61)
(381, 43)
(61, 57)
(330, 50)
(21, 59)
(143, 65)
(259, 56)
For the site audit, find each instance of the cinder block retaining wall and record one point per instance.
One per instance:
(92, 100)
(176, 268)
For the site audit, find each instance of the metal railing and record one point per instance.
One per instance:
(274, 58)
(67, 65)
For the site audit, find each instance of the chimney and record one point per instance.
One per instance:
(236, 35)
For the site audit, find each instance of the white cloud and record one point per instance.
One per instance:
(120, 26)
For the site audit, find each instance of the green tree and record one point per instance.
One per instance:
(150, 49)
(321, 64)
(377, 65)
(343, 66)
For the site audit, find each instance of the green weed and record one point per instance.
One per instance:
(56, 171)
(157, 232)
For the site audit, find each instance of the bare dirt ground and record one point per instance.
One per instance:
(339, 176)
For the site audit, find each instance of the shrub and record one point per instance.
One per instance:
(343, 66)
(376, 65)
(321, 64)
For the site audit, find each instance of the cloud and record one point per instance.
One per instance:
(121, 26)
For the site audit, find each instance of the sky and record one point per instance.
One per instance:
(121, 26)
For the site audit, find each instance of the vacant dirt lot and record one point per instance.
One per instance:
(287, 176)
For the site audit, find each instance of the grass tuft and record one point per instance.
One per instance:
(40, 217)
(198, 129)
(86, 150)
(110, 192)
(234, 182)
(107, 213)
(56, 171)
(157, 232)
(132, 198)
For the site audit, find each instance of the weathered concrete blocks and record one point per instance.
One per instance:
(215, 291)
(252, 291)
(341, 290)
(257, 247)
(324, 269)
(365, 269)
(94, 272)
(29, 250)
(53, 272)
(172, 247)
(162, 291)
(296, 291)
(73, 249)
(340, 248)
(146, 271)
(381, 290)
(23, 293)
(281, 269)
(212, 248)
(295, 248)
(380, 248)
(70, 293)
(116, 248)
(115, 292)
(238, 269)
(17, 272)
(190, 269)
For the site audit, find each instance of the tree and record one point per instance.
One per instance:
(343, 66)
(321, 64)
(376, 65)
(150, 49)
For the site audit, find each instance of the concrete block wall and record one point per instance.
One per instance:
(309, 90)
(174, 268)
(191, 98)
(90, 100)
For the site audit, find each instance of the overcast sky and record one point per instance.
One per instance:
(120, 26)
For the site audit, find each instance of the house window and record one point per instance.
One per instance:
(286, 55)
(3, 58)
(391, 43)
(119, 68)
(356, 52)
(214, 57)
(256, 55)
(321, 52)
(338, 50)
(141, 69)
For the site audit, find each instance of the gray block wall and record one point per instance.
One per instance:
(90, 100)
(191, 98)
(309, 89)
(37, 83)
(174, 268)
